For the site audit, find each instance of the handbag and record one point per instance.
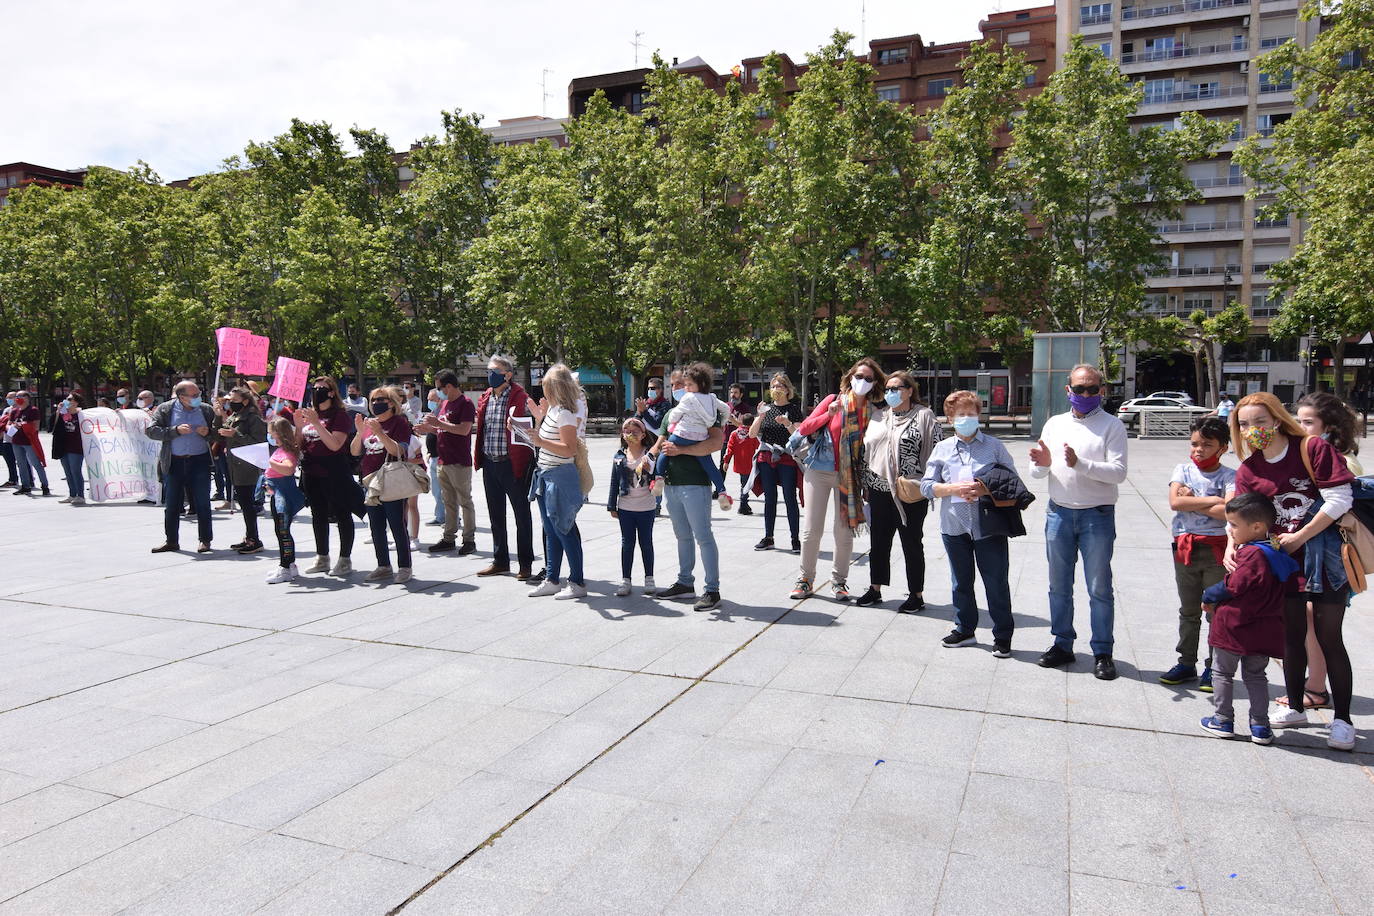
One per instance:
(584, 467)
(1357, 541)
(909, 490)
(395, 480)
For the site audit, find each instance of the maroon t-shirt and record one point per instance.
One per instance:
(1287, 483)
(455, 449)
(315, 451)
(374, 453)
(19, 416)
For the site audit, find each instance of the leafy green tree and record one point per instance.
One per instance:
(1320, 167)
(1202, 336)
(1098, 189)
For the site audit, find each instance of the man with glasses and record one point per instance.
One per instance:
(506, 468)
(1083, 452)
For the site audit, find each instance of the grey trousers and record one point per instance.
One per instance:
(1252, 667)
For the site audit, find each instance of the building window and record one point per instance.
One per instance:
(1281, 83)
(1210, 90)
(1106, 49)
(1267, 43)
(754, 73)
(1265, 123)
(1159, 91)
(1090, 13)
(890, 93)
(1264, 305)
(939, 88)
(1018, 38)
(637, 100)
(892, 56)
(1205, 303)
(1030, 79)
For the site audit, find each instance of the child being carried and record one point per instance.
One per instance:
(689, 422)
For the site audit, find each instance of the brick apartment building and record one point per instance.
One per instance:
(22, 174)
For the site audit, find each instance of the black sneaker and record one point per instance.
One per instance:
(1001, 648)
(466, 549)
(764, 544)
(47, 492)
(744, 509)
(676, 589)
(23, 491)
(707, 601)
(442, 546)
(240, 545)
(250, 547)
(872, 596)
(796, 545)
(958, 638)
(913, 605)
(1055, 657)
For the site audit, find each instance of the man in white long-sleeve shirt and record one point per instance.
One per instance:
(1083, 452)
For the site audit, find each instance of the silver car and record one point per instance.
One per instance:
(1129, 412)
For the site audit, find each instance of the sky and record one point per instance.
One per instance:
(182, 84)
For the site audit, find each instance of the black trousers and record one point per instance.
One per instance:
(325, 506)
(501, 485)
(885, 523)
(243, 495)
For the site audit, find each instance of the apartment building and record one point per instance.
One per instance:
(1198, 55)
(21, 174)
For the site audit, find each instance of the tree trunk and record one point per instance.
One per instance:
(1213, 373)
(1338, 365)
(1199, 374)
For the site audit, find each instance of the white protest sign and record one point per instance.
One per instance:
(121, 461)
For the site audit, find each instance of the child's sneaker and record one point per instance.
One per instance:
(1204, 683)
(1261, 734)
(623, 588)
(1178, 674)
(1217, 728)
(1283, 717)
(283, 574)
(724, 500)
(649, 587)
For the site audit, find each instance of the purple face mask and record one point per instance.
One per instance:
(1084, 403)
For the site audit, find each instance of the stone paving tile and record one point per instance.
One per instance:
(1342, 851)
(17, 785)
(724, 773)
(1028, 748)
(41, 809)
(295, 790)
(1129, 836)
(462, 893)
(1092, 895)
(485, 740)
(986, 884)
(869, 871)
(202, 786)
(917, 804)
(1013, 820)
(812, 787)
(356, 884)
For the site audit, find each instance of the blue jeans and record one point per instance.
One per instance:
(389, 515)
(1091, 533)
(28, 464)
(559, 494)
(689, 507)
(189, 475)
(221, 472)
(7, 452)
(640, 526)
(991, 556)
(72, 466)
(435, 490)
(773, 476)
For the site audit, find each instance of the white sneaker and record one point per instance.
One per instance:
(571, 590)
(546, 588)
(1342, 737)
(623, 589)
(414, 543)
(403, 574)
(649, 587)
(78, 500)
(341, 568)
(378, 574)
(283, 574)
(1283, 717)
(320, 565)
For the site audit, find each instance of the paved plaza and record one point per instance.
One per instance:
(178, 737)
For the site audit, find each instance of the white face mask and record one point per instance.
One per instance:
(861, 386)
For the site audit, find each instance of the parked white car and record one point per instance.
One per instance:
(1183, 396)
(1129, 412)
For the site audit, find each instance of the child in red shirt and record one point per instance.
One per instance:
(739, 456)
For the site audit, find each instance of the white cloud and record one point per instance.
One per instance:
(182, 85)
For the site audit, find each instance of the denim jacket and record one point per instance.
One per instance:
(559, 490)
(623, 481)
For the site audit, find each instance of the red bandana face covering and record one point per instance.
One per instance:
(1211, 464)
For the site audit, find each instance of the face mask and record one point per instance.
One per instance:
(679, 393)
(1208, 464)
(144, 403)
(496, 379)
(434, 404)
(380, 407)
(893, 398)
(66, 404)
(195, 401)
(1084, 403)
(9, 401)
(121, 400)
(322, 395)
(860, 386)
(271, 440)
(655, 394)
(235, 406)
(1260, 437)
(966, 426)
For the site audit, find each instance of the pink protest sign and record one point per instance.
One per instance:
(252, 355)
(228, 341)
(291, 378)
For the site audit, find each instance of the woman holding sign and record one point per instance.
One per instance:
(327, 474)
(243, 425)
(385, 436)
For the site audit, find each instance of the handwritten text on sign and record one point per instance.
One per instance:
(252, 355)
(292, 375)
(228, 341)
(121, 461)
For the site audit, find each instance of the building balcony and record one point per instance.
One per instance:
(1194, 55)
(1221, 186)
(1159, 103)
(1268, 229)
(1194, 277)
(1278, 6)
(1276, 94)
(1097, 24)
(1182, 12)
(1230, 230)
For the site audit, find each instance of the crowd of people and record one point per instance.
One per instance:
(1256, 552)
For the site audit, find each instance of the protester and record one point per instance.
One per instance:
(1083, 452)
(144, 402)
(452, 423)
(279, 481)
(6, 443)
(843, 418)
(184, 427)
(21, 426)
(557, 486)
(631, 502)
(1325, 415)
(66, 447)
(740, 449)
(413, 407)
(327, 473)
(506, 468)
(436, 400)
(652, 409)
(1197, 494)
(354, 403)
(696, 411)
(219, 458)
(1225, 406)
(385, 436)
(1309, 484)
(688, 493)
(773, 426)
(1247, 617)
(243, 426)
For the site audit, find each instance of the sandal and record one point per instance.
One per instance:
(1322, 699)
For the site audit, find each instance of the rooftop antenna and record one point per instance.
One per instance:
(863, 25)
(544, 87)
(637, 44)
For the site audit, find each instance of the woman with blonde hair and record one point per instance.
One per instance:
(557, 484)
(1309, 484)
(382, 437)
